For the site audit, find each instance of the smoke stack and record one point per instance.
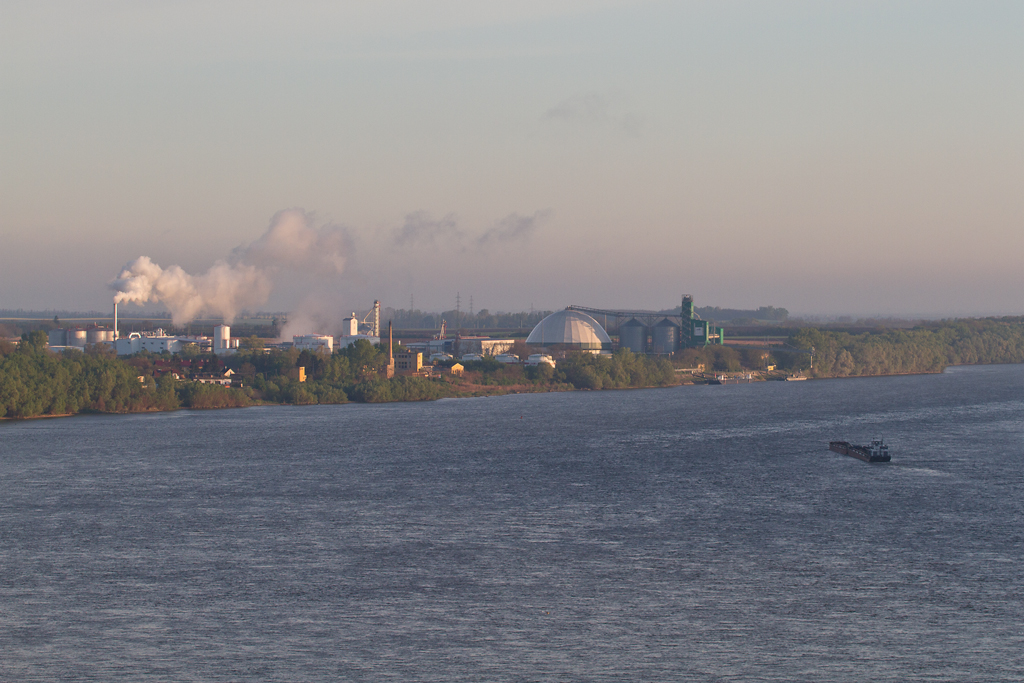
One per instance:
(115, 321)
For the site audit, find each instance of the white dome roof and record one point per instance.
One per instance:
(572, 328)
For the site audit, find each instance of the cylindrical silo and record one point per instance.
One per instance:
(58, 338)
(77, 337)
(98, 335)
(221, 339)
(665, 337)
(633, 336)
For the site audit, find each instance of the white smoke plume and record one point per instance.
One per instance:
(245, 278)
(315, 314)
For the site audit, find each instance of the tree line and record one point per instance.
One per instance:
(924, 348)
(35, 381)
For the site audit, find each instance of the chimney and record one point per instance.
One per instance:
(115, 321)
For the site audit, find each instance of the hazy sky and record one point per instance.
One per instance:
(836, 157)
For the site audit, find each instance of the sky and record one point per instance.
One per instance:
(833, 158)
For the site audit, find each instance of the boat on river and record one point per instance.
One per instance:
(876, 452)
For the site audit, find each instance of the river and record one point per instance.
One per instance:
(690, 533)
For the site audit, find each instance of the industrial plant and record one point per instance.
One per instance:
(574, 328)
(645, 332)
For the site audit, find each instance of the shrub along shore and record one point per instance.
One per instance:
(35, 382)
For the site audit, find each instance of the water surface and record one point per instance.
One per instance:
(694, 533)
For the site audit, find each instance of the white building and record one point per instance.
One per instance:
(135, 342)
(485, 346)
(223, 344)
(350, 326)
(573, 329)
(314, 342)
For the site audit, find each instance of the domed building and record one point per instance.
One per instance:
(570, 328)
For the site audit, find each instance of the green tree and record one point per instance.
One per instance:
(251, 343)
(34, 342)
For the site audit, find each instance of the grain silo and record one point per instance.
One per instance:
(633, 336)
(665, 337)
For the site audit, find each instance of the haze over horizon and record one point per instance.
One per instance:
(845, 158)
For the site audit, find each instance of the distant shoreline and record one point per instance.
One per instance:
(499, 392)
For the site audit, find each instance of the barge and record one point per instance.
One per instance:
(876, 452)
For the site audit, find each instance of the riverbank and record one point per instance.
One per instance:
(466, 390)
(35, 382)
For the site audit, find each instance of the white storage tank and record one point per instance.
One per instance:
(99, 335)
(77, 337)
(222, 340)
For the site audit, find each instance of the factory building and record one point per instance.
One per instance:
(157, 342)
(570, 328)
(408, 362)
(135, 342)
(695, 332)
(350, 329)
(484, 346)
(433, 347)
(314, 342)
(650, 332)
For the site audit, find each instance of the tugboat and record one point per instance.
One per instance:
(876, 452)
